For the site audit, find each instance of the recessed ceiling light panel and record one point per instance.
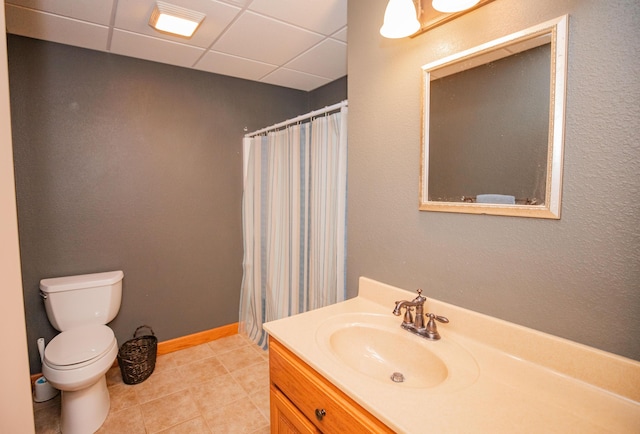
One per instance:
(175, 20)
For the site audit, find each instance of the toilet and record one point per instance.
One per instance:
(76, 360)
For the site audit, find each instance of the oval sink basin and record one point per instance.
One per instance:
(379, 354)
(376, 347)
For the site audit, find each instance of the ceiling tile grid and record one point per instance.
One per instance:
(55, 28)
(300, 44)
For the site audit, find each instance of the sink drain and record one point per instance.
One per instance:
(397, 377)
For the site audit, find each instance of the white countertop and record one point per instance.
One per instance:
(527, 381)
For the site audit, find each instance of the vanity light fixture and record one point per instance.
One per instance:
(404, 18)
(175, 20)
(449, 6)
(400, 19)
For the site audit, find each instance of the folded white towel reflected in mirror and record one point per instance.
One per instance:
(496, 198)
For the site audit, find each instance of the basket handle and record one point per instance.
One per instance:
(135, 334)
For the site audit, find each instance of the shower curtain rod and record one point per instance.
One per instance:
(300, 118)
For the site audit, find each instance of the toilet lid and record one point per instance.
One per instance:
(79, 345)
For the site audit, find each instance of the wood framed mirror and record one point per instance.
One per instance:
(493, 126)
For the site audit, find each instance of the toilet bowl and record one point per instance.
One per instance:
(76, 361)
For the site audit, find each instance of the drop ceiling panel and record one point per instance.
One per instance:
(324, 17)
(257, 37)
(292, 43)
(295, 79)
(95, 11)
(340, 35)
(240, 3)
(158, 50)
(327, 59)
(54, 28)
(241, 67)
(134, 16)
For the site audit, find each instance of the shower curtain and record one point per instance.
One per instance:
(294, 221)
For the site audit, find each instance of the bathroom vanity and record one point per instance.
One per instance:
(331, 370)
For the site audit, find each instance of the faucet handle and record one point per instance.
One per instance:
(408, 316)
(439, 318)
(420, 298)
(432, 327)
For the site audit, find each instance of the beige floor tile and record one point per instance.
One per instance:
(169, 411)
(122, 396)
(160, 384)
(263, 353)
(47, 416)
(201, 371)
(166, 361)
(236, 417)
(263, 430)
(128, 421)
(193, 426)
(229, 343)
(240, 358)
(253, 377)
(114, 376)
(260, 398)
(192, 354)
(216, 393)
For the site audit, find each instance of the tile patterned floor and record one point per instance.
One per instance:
(218, 387)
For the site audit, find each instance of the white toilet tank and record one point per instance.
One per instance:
(74, 301)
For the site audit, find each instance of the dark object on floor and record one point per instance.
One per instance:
(137, 357)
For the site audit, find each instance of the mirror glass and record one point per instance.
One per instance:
(493, 126)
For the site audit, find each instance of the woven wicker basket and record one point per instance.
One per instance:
(137, 357)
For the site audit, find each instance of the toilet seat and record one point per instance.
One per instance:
(75, 348)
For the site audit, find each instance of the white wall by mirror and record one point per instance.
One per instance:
(493, 126)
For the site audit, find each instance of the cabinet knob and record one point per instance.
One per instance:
(320, 413)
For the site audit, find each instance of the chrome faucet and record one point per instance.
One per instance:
(416, 324)
(409, 321)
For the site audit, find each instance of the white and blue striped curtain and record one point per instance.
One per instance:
(294, 221)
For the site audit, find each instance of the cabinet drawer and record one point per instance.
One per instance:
(309, 391)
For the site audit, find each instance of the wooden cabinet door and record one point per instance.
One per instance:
(286, 418)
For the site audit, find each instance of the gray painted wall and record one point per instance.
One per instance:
(133, 165)
(328, 94)
(578, 277)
